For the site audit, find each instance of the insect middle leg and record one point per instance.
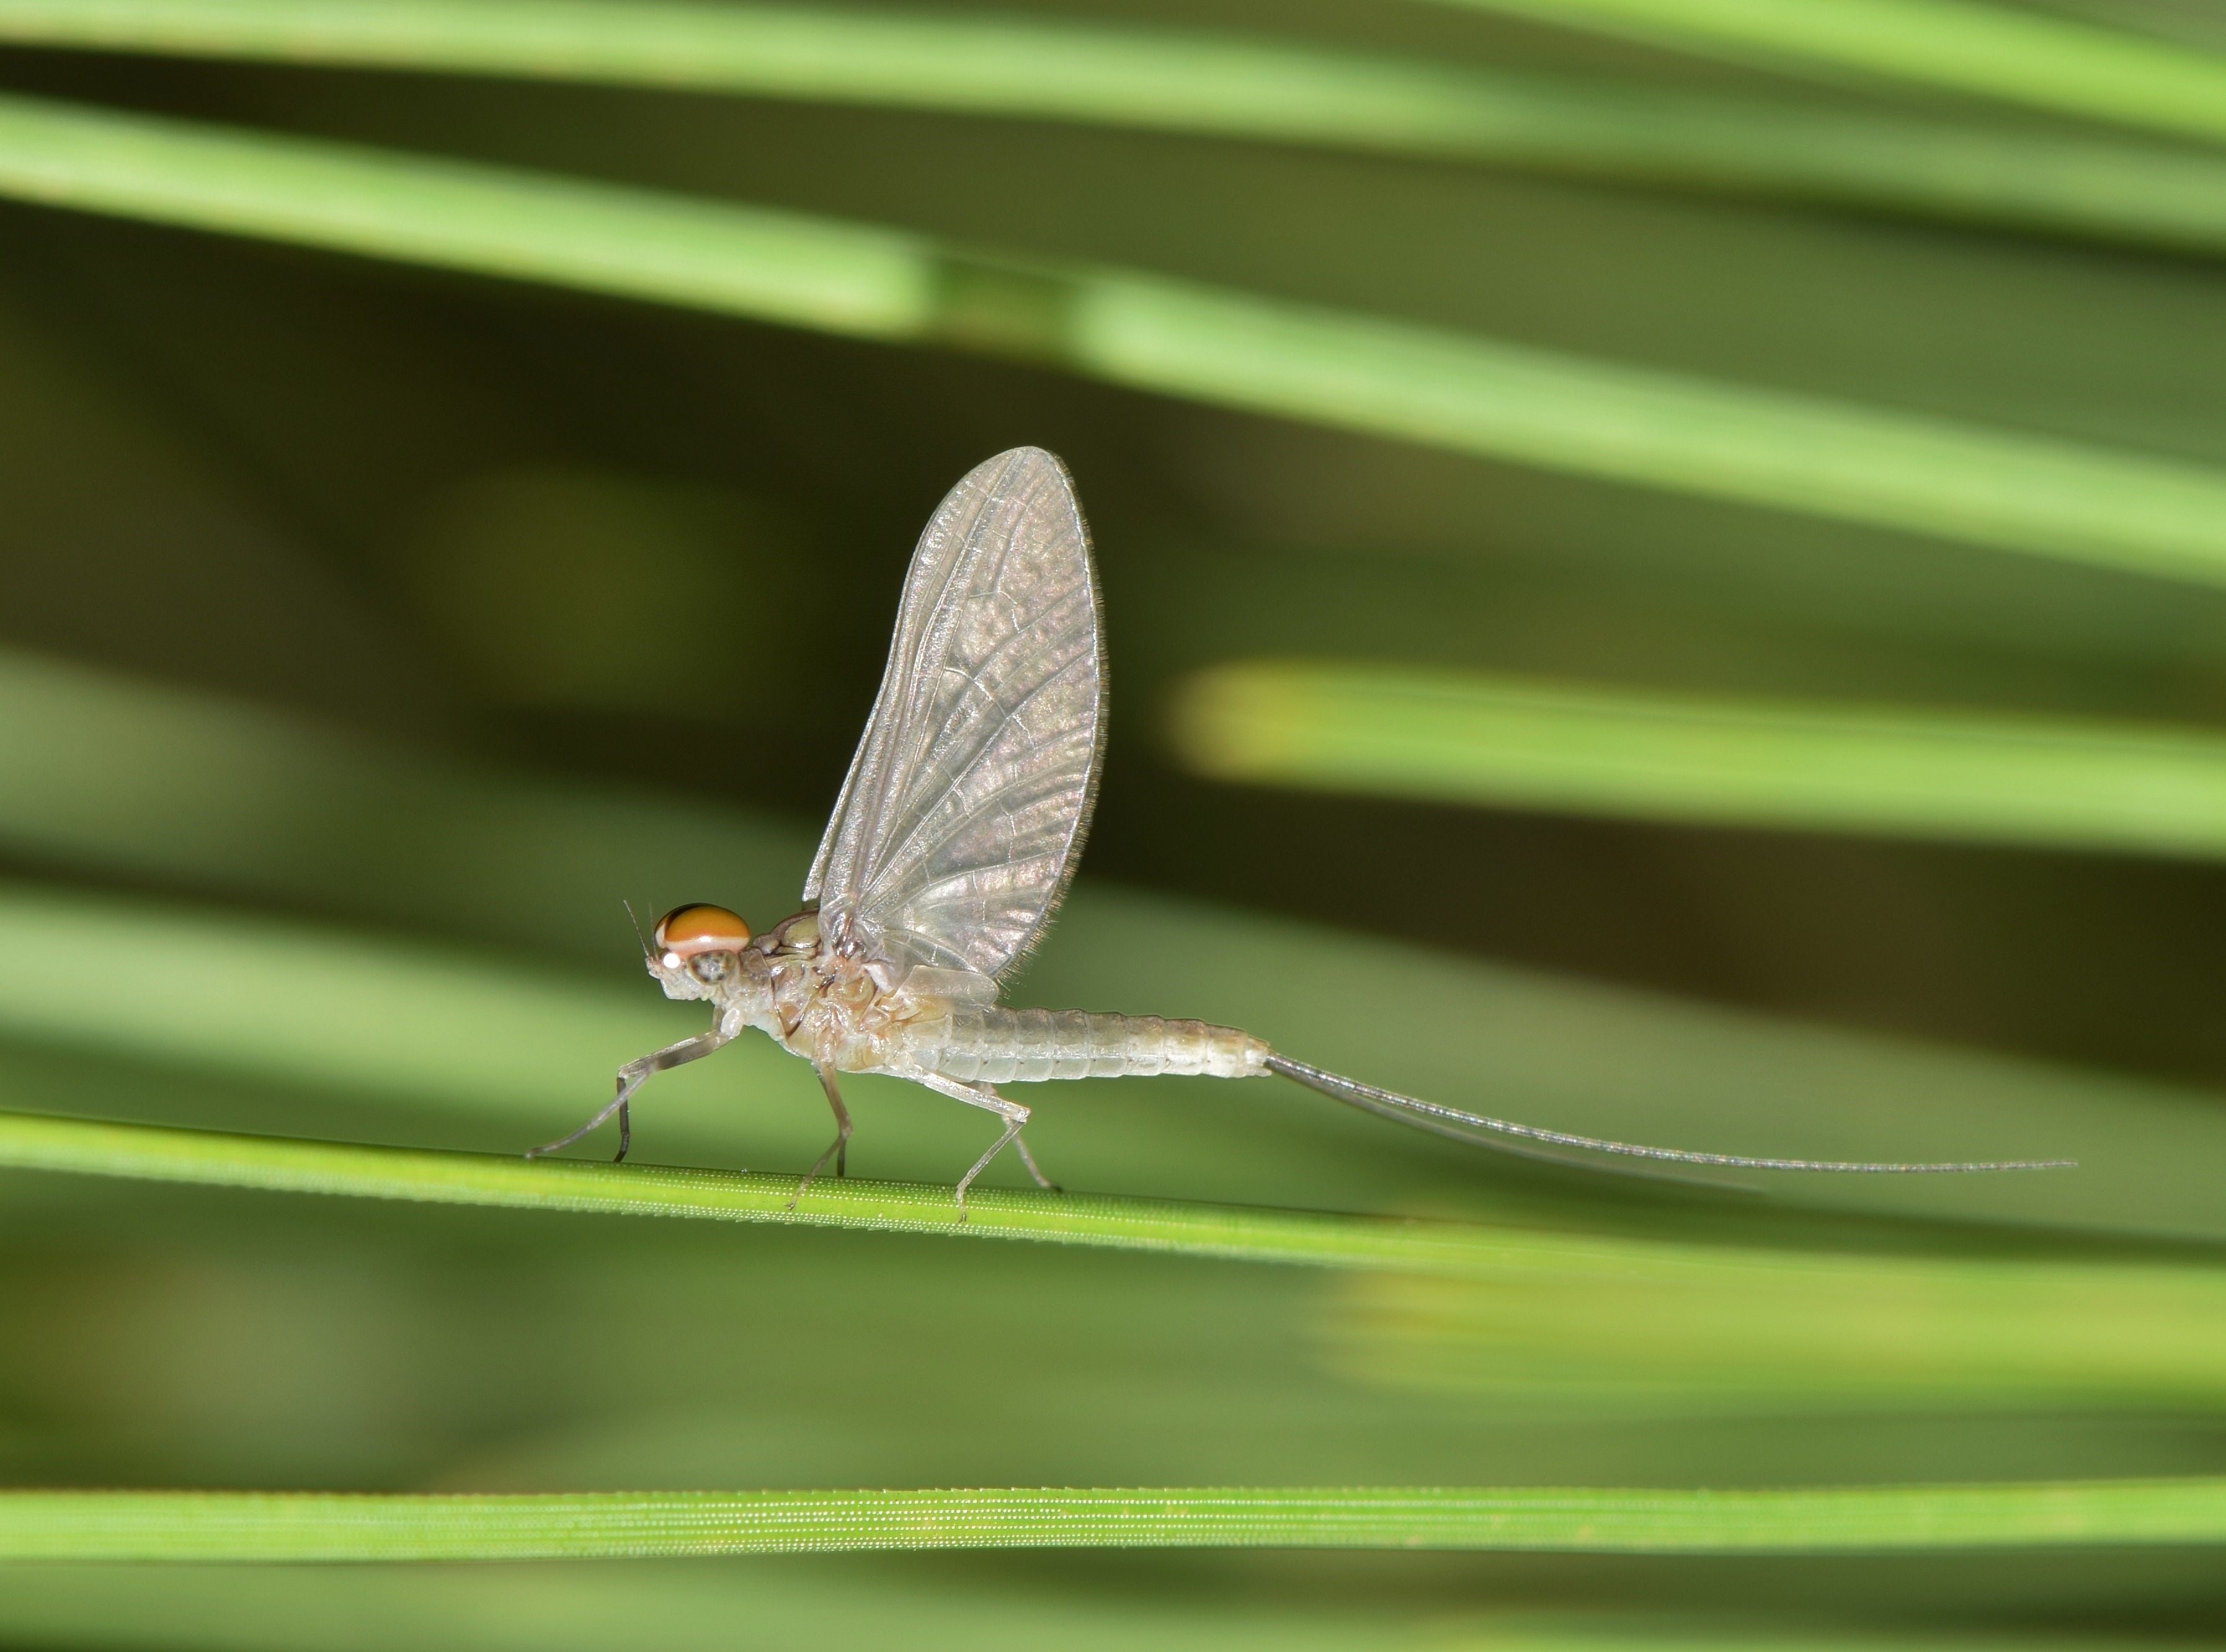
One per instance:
(1013, 1113)
(838, 1149)
(630, 1080)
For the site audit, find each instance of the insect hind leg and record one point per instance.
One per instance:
(1021, 1146)
(1015, 1115)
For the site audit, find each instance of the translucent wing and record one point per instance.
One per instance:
(966, 803)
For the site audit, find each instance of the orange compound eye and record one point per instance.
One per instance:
(686, 931)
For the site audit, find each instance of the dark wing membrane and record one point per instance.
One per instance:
(959, 824)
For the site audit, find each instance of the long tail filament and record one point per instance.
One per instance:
(1480, 1131)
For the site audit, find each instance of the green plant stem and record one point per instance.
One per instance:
(2020, 56)
(2108, 509)
(306, 1526)
(1503, 742)
(1193, 83)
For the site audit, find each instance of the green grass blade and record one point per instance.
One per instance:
(1700, 1326)
(1507, 741)
(1793, 453)
(91, 1147)
(1518, 1311)
(890, 1602)
(1863, 1341)
(272, 1165)
(81, 1147)
(2019, 55)
(1058, 69)
(218, 1525)
(2108, 508)
(216, 792)
(269, 1164)
(776, 266)
(327, 1009)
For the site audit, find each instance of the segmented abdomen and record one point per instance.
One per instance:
(1021, 1046)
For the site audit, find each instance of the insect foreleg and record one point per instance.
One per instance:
(1013, 1113)
(630, 1079)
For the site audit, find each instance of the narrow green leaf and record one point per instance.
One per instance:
(254, 1526)
(146, 1152)
(1863, 1341)
(2019, 55)
(80, 1146)
(325, 1008)
(1508, 741)
(778, 267)
(217, 791)
(1542, 1317)
(140, 1151)
(1981, 486)
(1125, 76)
(875, 1601)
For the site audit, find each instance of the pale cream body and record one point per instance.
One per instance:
(855, 1016)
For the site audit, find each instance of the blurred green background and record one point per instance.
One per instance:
(367, 632)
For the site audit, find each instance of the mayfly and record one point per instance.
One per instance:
(952, 841)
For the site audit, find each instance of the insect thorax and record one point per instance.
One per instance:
(832, 1009)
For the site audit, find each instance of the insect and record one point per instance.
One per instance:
(954, 838)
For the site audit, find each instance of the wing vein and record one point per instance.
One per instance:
(970, 790)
